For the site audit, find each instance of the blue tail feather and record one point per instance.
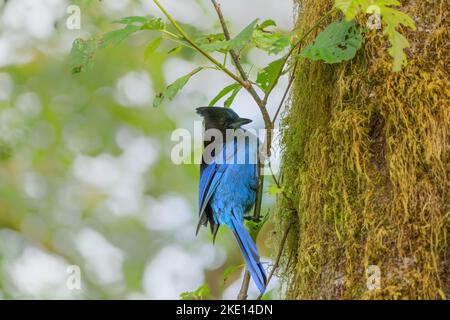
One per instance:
(250, 254)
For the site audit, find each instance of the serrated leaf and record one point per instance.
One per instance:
(151, 48)
(223, 93)
(171, 91)
(393, 18)
(81, 54)
(237, 42)
(398, 44)
(338, 42)
(268, 77)
(230, 99)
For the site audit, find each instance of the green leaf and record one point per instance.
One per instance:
(117, 36)
(230, 99)
(267, 23)
(338, 42)
(268, 77)
(237, 42)
(153, 24)
(213, 42)
(243, 37)
(228, 272)
(223, 92)
(274, 190)
(398, 44)
(171, 91)
(133, 19)
(151, 48)
(221, 46)
(255, 227)
(201, 293)
(393, 18)
(351, 8)
(81, 54)
(269, 295)
(175, 50)
(273, 43)
(145, 22)
(210, 38)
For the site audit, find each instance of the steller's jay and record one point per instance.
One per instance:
(227, 189)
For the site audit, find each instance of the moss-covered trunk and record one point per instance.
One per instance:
(366, 164)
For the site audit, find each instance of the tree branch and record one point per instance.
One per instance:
(277, 261)
(235, 57)
(244, 287)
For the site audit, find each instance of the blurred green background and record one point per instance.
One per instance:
(86, 177)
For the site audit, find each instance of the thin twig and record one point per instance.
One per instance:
(286, 91)
(277, 261)
(226, 33)
(275, 179)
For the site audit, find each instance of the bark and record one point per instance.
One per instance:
(366, 164)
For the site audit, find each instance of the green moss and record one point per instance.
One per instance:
(366, 163)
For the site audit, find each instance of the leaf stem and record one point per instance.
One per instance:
(173, 35)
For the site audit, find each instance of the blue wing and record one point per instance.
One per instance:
(210, 175)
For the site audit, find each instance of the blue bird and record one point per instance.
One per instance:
(227, 189)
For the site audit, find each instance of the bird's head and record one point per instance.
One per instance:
(221, 118)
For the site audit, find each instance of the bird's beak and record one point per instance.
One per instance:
(241, 122)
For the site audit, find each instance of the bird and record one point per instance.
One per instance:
(227, 189)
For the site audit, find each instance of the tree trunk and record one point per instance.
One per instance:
(366, 164)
